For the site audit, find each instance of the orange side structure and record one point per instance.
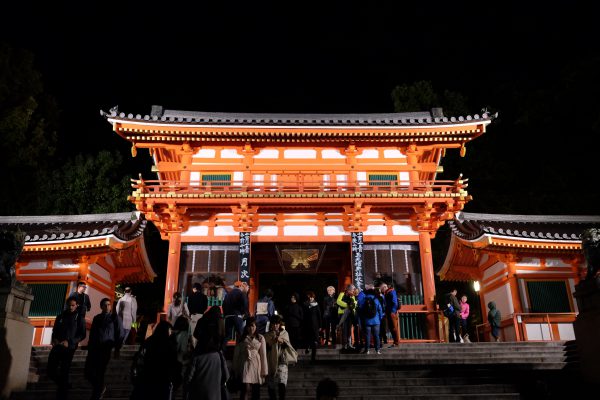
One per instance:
(527, 264)
(61, 250)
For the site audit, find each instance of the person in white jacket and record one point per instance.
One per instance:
(127, 311)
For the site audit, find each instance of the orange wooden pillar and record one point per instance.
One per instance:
(511, 264)
(172, 279)
(428, 282)
(484, 311)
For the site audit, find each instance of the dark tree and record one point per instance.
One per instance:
(89, 184)
(421, 96)
(28, 122)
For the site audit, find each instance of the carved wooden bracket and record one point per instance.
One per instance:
(167, 217)
(245, 218)
(352, 151)
(509, 258)
(248, 150)
(356, 217)
(430, 217)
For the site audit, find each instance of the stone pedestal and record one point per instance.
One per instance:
(16, 335)
(587, 329)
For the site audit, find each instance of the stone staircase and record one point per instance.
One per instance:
(526, 370)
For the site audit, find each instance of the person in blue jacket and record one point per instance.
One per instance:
(372, 314)
(391, 312)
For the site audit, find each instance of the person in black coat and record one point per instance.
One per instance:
(454, 318)
(235, 310)
(312, 324)
(82, 299)
(106, 333)
(197, 305)
(330, 315)
(159, 367)
(68, 331)
(293, 320)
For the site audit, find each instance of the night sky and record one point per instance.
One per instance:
(536, 63)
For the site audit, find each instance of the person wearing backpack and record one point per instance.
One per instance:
(372, 314)
(358, 322)
(265, 309)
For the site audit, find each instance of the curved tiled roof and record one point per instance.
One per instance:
(425, 118)
(471, 226)
(45, 228)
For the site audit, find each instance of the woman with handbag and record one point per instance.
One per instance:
(278, 349)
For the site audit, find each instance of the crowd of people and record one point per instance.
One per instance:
(186, 350)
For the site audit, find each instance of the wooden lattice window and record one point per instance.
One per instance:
(382, 179)
(205, 263)
(216, 179)
(48, 299)
(548, 297)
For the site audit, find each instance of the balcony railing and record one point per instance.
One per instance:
(438, 188)
(523, 327)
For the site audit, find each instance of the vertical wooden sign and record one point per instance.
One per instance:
(357, 260)
(245, 256)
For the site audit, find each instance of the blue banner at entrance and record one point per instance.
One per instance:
(244, 256)
(357, 260)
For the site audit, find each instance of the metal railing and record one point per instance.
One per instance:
(413, 326)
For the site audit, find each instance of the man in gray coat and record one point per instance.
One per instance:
(127, 311)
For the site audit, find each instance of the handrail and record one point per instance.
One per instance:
(519, 318)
